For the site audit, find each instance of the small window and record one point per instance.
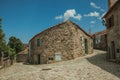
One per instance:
(58, 56)
(38, 42)
(81, 38)
(98, 39)
(118, 51)
(50, 58)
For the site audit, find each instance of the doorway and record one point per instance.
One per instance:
(113, 50)
(38, 57)
(86, 46)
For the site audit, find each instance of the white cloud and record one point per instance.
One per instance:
(78, 16)
(93, 14)
(59, 17)
(94, 5)
(71, 13)
(102, 10)
(92, 22)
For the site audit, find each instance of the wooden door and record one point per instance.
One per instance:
(113, 50)
(86, 46)
(38, 58)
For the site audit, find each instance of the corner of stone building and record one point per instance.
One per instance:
(111, 3)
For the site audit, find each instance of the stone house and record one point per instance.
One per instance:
(22, 56)
(100, 40)
(112, 19)
(62, 42)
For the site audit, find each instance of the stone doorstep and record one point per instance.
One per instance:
(112, 60)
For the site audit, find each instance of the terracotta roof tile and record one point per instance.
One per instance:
(24, 51)
(100, 33)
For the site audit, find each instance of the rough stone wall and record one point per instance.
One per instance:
(64, 39)
(111, 3)
(82, 42)
(113, 33)
(102, 45)
(22, 57)
(104, 42)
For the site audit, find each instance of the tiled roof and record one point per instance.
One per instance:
(100, 33)
(24, 51)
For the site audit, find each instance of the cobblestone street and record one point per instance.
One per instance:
(90, 67)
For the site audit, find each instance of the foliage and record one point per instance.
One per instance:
(15, 44)
(12, 53)
(3, 45)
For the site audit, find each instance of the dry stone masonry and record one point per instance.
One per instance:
(112, 18)
(64, 41)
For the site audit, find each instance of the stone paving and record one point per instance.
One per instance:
(90, 67)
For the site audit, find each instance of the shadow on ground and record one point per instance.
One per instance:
(100, 61)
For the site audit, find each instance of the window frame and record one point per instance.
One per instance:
(81, 38)
(38, 42)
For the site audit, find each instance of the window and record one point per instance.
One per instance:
(118, 51)
(111, 21)
(50, 58)
(38, 42)
(80, 38)
(58, 56)
(98, 39)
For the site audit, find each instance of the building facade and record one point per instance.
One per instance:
(22, 56)
(62, 42)
(100, 40)
(112, 18)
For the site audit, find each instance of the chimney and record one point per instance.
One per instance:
(111, 3)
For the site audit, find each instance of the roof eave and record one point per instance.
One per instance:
(110, 9)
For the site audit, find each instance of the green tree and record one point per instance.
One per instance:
(15, 44)
(3, 45)
(12, 53)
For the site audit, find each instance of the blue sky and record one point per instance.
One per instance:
(25, 18)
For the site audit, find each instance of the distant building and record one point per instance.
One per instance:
(112, 18)
(100, 40)
(62, 42)
(22, 56)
